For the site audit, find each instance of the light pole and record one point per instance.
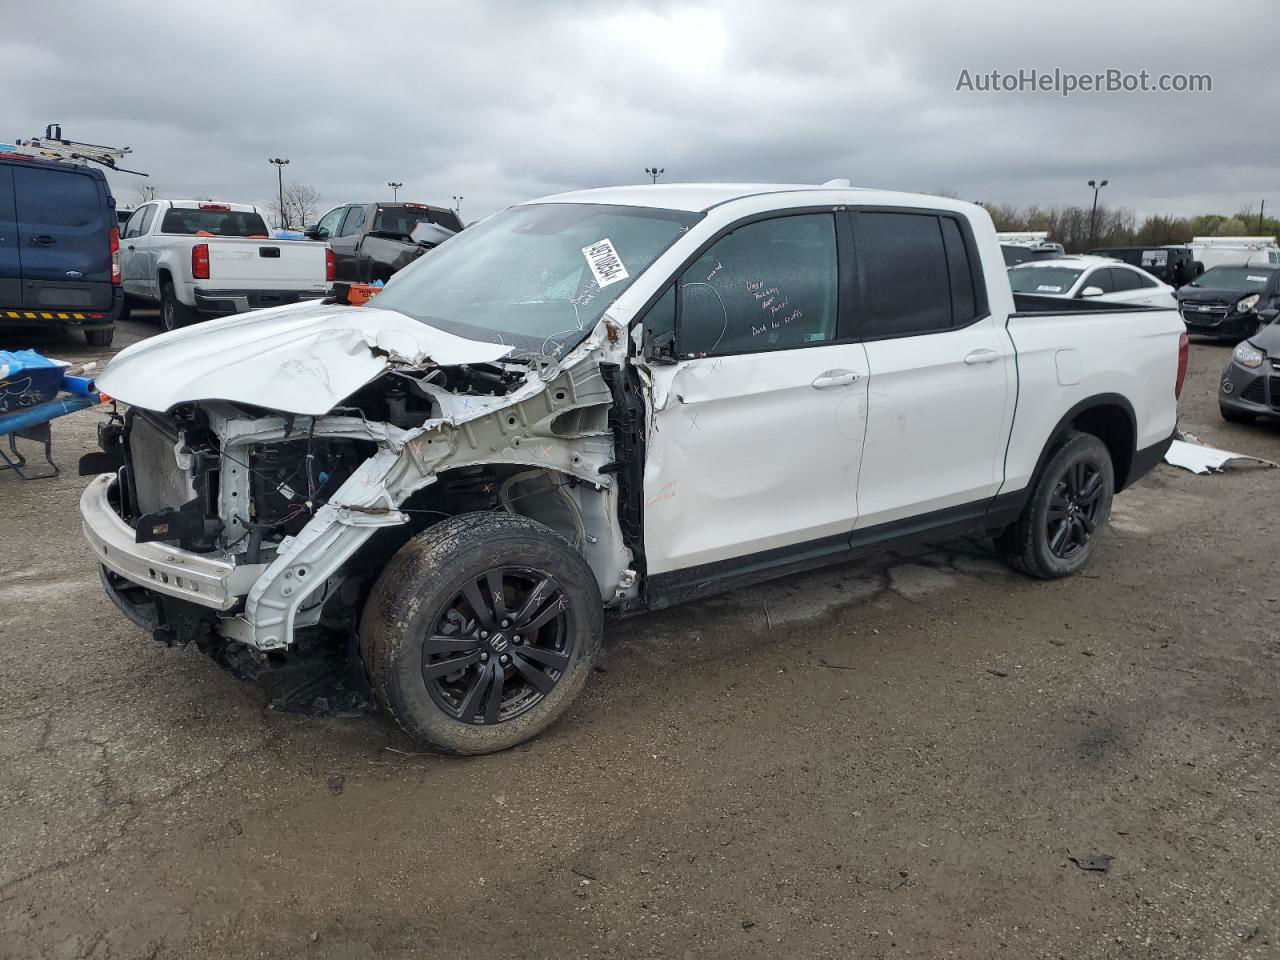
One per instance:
(655, 172)
(457, 206)
(1260, 211)
(1093, 217)
(395, 189)
(279, 165)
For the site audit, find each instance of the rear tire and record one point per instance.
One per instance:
(1069, 506)
(95, 337)
(1235, 416)
(173, 312)
(461, 673)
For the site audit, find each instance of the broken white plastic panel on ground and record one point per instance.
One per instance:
(1199, 458)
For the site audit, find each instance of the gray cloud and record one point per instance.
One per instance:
(501, 101)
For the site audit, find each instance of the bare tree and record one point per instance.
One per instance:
(301, 205)
(145, 193)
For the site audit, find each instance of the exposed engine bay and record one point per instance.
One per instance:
(304, 511)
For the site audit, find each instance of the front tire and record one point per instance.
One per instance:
(481, 631)
(1068, 508)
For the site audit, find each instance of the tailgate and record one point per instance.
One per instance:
(246, 264)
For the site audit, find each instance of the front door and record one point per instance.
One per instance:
(345, 245)
(757, 430)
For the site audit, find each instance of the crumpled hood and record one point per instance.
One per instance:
(1268, 339)
(304, 358)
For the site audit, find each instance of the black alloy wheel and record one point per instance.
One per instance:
(1074, 509)
(499, 646)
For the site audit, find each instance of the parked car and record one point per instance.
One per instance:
(1225, 302)
(1094, 278)
(1174, 264)
(1250, 384)
(371, 241)
(201, 259)
(610, 401)
(59, 248)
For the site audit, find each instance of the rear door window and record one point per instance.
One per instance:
(768, 285)
(1101, 279)
(903, 274)
(57, 198)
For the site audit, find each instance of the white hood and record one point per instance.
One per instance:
(304, 358)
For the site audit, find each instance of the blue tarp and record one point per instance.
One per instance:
(27, 378)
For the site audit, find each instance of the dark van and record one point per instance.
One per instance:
(59, 247)
(1175, 265)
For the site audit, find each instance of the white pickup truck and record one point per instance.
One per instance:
(609, 401)
(198, 259)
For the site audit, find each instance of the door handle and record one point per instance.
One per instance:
(982, 356)
(834, 378)
(42, 240)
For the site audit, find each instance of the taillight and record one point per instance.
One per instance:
(330, 266)
(200, 261)
(1184, 351)
(115, 255)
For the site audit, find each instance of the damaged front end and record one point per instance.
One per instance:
(257, 534)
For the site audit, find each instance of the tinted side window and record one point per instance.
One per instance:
(1136, 280)
(661, 317)
(54, 198)
(902, 271)
(964, 305)
(766, 286)
(1101, 279)
(354, 221)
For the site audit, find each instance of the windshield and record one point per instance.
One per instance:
(213, 223)
(401, 220)
(536, 276)
(1051, 281)
(1233, 278)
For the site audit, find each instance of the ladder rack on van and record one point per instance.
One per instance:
(53, 147)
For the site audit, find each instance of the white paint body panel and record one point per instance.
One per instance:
(937, 425)
(747, 455)
(304, 358)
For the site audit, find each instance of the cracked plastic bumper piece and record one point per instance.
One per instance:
(208, 580)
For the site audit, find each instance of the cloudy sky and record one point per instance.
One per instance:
(503, 101)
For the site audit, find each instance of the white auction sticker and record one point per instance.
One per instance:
(1046, 288)
(1257, 279)
(604, 262)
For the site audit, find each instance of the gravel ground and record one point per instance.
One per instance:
(904, 757)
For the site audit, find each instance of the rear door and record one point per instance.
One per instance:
(64, 230)
(10, 255)
(757, 444)
(942, 369)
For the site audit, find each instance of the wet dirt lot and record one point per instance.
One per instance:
(885, 759)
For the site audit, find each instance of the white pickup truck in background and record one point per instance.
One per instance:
(612, 400)
(198, 259)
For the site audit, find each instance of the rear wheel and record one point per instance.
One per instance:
(173, 313)
(481, 631)
(97, 337)
(1069, 505)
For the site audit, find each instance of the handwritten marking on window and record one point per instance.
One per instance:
(714, 270)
